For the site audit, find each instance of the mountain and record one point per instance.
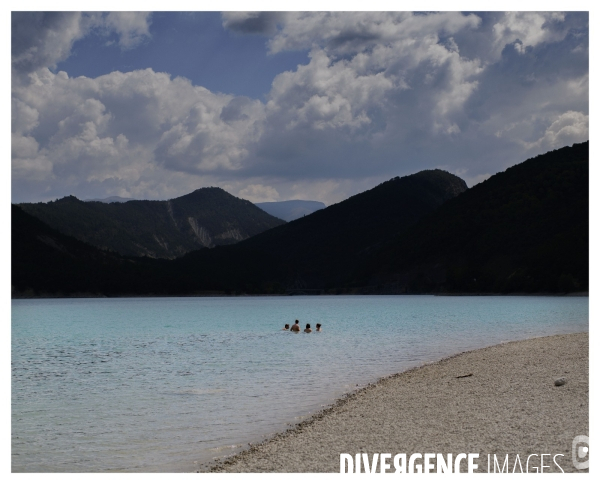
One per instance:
(46, 262)
(319, 251)
(160, 229)
(290, 209)
(309, 252)
(524, 230)
(109, 200)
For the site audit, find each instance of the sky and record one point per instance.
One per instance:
(286, 105)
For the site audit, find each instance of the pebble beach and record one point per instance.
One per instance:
(507, 399)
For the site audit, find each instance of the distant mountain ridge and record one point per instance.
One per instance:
(206, 217)
(289, 210)
(109, 199)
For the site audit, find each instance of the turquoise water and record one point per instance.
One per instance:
(167, 384)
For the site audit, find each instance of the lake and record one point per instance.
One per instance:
(167, 384)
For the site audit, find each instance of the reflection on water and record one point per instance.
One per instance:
(168, 383)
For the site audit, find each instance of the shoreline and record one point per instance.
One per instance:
(20, 297)
(471, 395)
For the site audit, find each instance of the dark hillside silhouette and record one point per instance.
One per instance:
(523, 230)
(46, 262)
(319, 251)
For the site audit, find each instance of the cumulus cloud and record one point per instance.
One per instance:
(382, 94)
(42, 39)
(132, 27)
(528, 29)
(373, 80)
(352, 32)
(564, 129)
(118, 124)
(326, 94)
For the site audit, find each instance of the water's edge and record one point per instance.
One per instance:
(219, 464)
(136, 296)
(172, 384)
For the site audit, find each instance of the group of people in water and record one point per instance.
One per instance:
(296, 327)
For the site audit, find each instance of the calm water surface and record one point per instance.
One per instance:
(166, 384)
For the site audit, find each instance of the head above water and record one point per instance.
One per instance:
(308, 326)
(287, 326)
(296, 322)
(318, 325)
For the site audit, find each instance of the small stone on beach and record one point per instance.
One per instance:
(560, 382)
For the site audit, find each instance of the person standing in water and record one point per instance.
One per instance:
(296, 327)
(318, 327)
(286, 327)
(308, 330)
